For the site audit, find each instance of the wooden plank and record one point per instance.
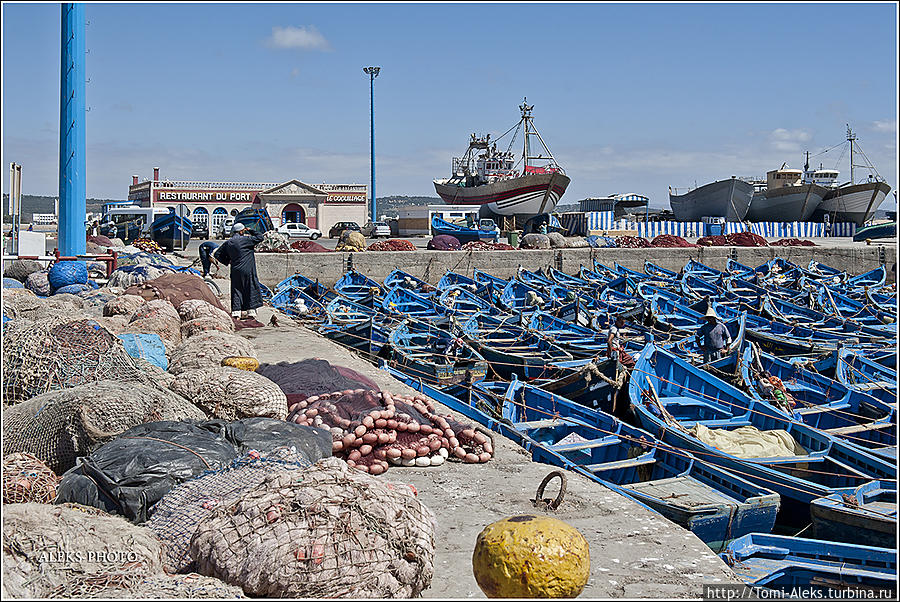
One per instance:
(859, 428)
(639, 461)
(581, 445)
(540, 424)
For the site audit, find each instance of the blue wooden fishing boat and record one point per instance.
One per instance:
(311, 287)
(791, 313)
(402, 302)
(659, 272)
(434, 355)
(580, 341)
(171, 231)
(695, 268)
(368, 336)
(858, 372)
(847, 308)
(464, 302)
(511, 349)
(359, 288)
(739, 270)
(596, 278)
(865, 515)
(691, 409)
(875, 231)
(714, 504)
(783, 563)
(517, 296)
(883, 302)
(461, 233)
(689, 349)
(569, 281)
(343, 311)
(821, 402)
(295, 302)
(408, 281)
(494, 284)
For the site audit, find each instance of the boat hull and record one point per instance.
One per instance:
(530, 194)
(888, 230)
(854, 203)
(725, 198)
(788, 204)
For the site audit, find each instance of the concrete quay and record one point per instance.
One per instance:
(272, 268)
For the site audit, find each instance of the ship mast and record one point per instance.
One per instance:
(850, 138)
(526, 117)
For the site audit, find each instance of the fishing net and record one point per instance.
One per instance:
(375, 429)
(198, 325)
(149, 246)
(138, 257)
(176, 288)
(579, 243)
(231, 393)
(12, 283)
(95, 300)
(59, 426)
(745, 239)
(671, 241)
(45, 356)
(351, 240)
(793, 242)
(93, 248)
(19, 269)
(443, 242)
(131, 473)
(72, 289)
(483, 245)
(55, 551)
(632, 242)
(309, 246)
(123, 305)
(327, 532)
(392, 244)
(64, 273)
(535, 241)
(175, 587)
(149, 347)
(130, 275)
(557, 240)
(207, 350)
(600, 242)
(101, 240)
(198, 308)
(38, 283)
(274, 242)
(27, 479)
(176, 516)
(114, 324)
(716, 240)
(300, 380)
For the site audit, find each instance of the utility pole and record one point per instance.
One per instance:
(373, 73)
(72, 204)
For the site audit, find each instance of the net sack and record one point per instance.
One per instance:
(123, 305)
(99, 239)
(392, 244)
(158, 317)
(207, 350)
(176, 288)
(60, 426)
(27, 479)
(54, 551)
(351, 240)
(176, 516)
(328, 532)
(198, 325)
(373, 430)
(309, 246)
(535, 241)
(231, 393)
(12, 283)
(130, 275)
(300, 380)
(557, 240)
(274, 242)
(198, 308)
(46, 356)
(72, 289)
(148, 347)
(443, 242)
(95, 300)
(129, 474)
(173, 587)
(19, 269)
(64, 273)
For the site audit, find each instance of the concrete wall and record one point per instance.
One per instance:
(330, 214)
(431, 265)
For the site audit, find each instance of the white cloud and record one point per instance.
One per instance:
(295, 72)
(789, 141)
(888, 125)
(303, 38)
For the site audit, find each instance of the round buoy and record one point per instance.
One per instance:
(249, 364)
(531, 556)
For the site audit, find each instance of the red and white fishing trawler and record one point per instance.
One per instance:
(502, 183)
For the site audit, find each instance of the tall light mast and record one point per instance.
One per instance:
(373, 73)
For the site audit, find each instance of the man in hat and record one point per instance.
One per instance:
(614, 348)
(713, 337)
(237, 252)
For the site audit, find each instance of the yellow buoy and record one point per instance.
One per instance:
(244, 363)
(531, 556)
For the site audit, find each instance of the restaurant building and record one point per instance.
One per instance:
(211, 203)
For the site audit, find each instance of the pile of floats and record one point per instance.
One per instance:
(813, 356)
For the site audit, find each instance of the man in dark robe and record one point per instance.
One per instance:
(237, 252)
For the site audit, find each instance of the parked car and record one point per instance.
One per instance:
(339, 227)
(223, 230)
(298, 230)
(201, 231)
(376, 229)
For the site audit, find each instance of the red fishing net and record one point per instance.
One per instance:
(483, 245)
(745, 239)
(308, 246)
(670, 240)
(793, 242)
(392, 244)
(712, 241)
(632, 242)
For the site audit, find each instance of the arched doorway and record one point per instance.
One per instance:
(293, 214)
(219, 215)
(200, 217)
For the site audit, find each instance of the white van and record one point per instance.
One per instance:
(224, 230)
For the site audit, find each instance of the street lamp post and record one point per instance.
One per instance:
(373, 73)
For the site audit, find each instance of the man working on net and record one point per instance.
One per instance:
(237, 252)
(713, 337)
(206, 256)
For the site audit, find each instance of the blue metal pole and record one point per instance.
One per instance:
(373, 208)
(72, 204)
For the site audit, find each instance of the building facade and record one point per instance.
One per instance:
(211, 203)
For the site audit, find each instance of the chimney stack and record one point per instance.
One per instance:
(134, 180)
(156, 174)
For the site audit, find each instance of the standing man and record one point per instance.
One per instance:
(206, 256)
(713, 337)
(237, 252)
(614, 347)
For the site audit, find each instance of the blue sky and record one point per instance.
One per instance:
(629, 97)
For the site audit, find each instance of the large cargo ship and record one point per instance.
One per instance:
(501, 182)
(723, 198)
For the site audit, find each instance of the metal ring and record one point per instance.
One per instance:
(539, 496)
